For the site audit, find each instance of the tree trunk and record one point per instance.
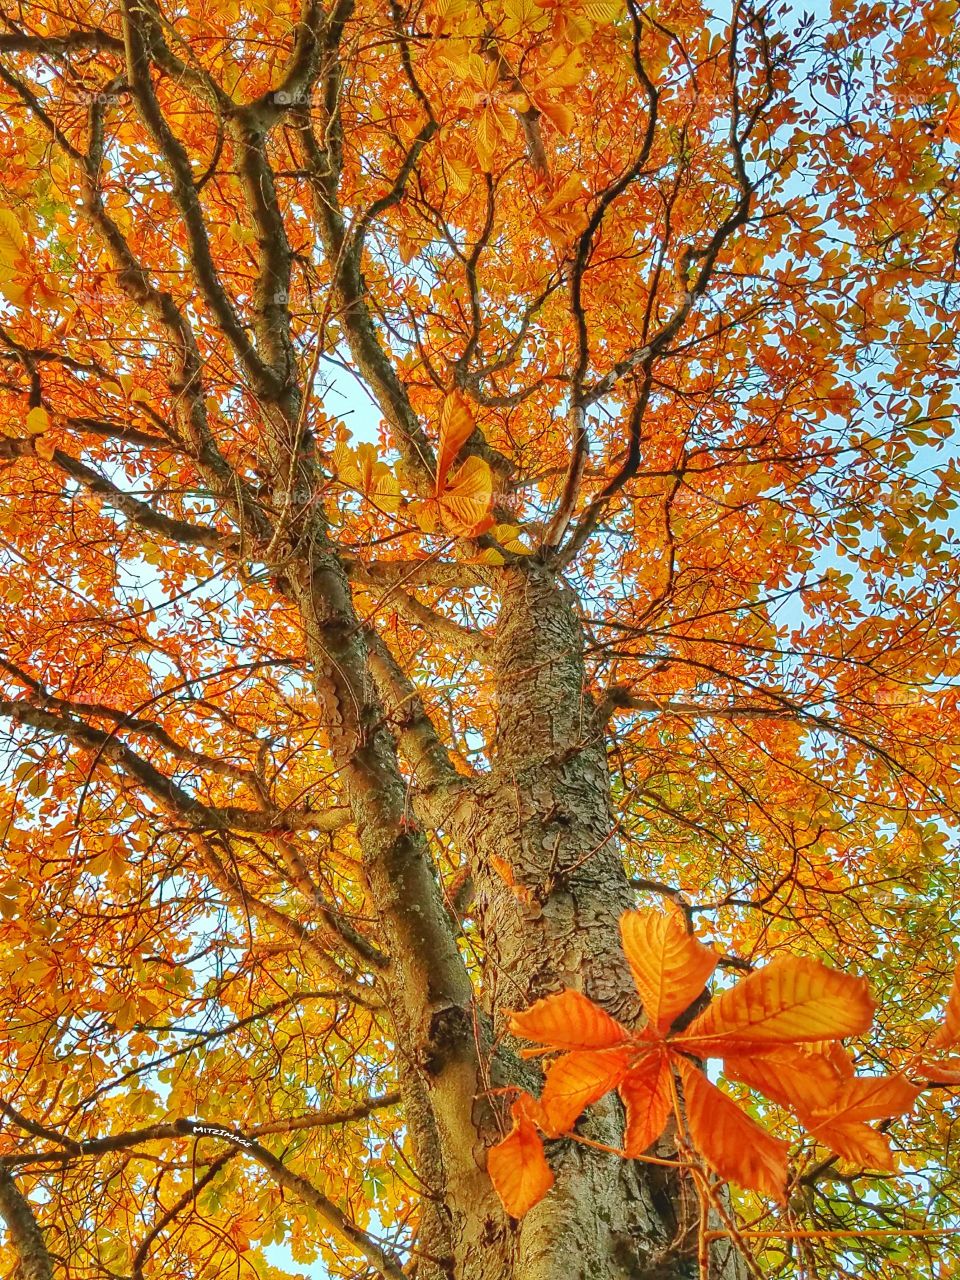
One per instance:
(549, 889)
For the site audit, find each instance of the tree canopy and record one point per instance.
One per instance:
(478, 576)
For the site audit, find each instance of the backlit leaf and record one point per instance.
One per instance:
(732, 1144)
(647, 1095)
(465, 502)
(518, 1167)
(949, 1033)
(37, 421)
(856, 1143)
(669, 966)
(578, 1079)
(792, 999)
(456, 426)
(871, 1098)
(568, 1020)
(788, 1076)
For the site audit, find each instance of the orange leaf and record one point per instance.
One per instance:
(558, 114)
(831, 1106)
(791, 999)
(949, 1033)
(648, 1100)
(858, 1143)
(870, 1098)
(732, 1144)
(456, 428)
(950, 122)
(793, 1079)
(504, 870)
(517, 1166)
(670, 968)
(465, 502)
(486, 139)
(568, 1020)
(835, 1054)
(578, 1079)
(947, 1072)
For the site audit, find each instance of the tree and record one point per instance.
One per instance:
(475, 535)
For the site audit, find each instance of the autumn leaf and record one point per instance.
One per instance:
(831, 1105)
(792, 999)
(647, 1095)
(456, 426)
(578, 1079)
(946, 1071)
(37, 421)
(870, 1098)
(362, 469)
(518, 1167)
(950, 121)
(633, 581)
(777, 1030)
(568, 1020)
(732, 1144)
(858, 1144)
(788, 1076)
(464, 503)
(12, 254)
(670, 967)
(949, 1033)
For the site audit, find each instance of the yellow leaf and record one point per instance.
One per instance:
(577, 27)
(459, 173)
(486, 139)
(14, 292)
(11, 238)
(426, 513)
(602, 11)
(37, 421)
(520, 14)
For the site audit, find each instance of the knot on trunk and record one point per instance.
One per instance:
(451, 1027)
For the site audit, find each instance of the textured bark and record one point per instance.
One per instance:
(545, 811)
(34, 1261)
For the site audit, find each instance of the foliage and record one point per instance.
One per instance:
(475, 474)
